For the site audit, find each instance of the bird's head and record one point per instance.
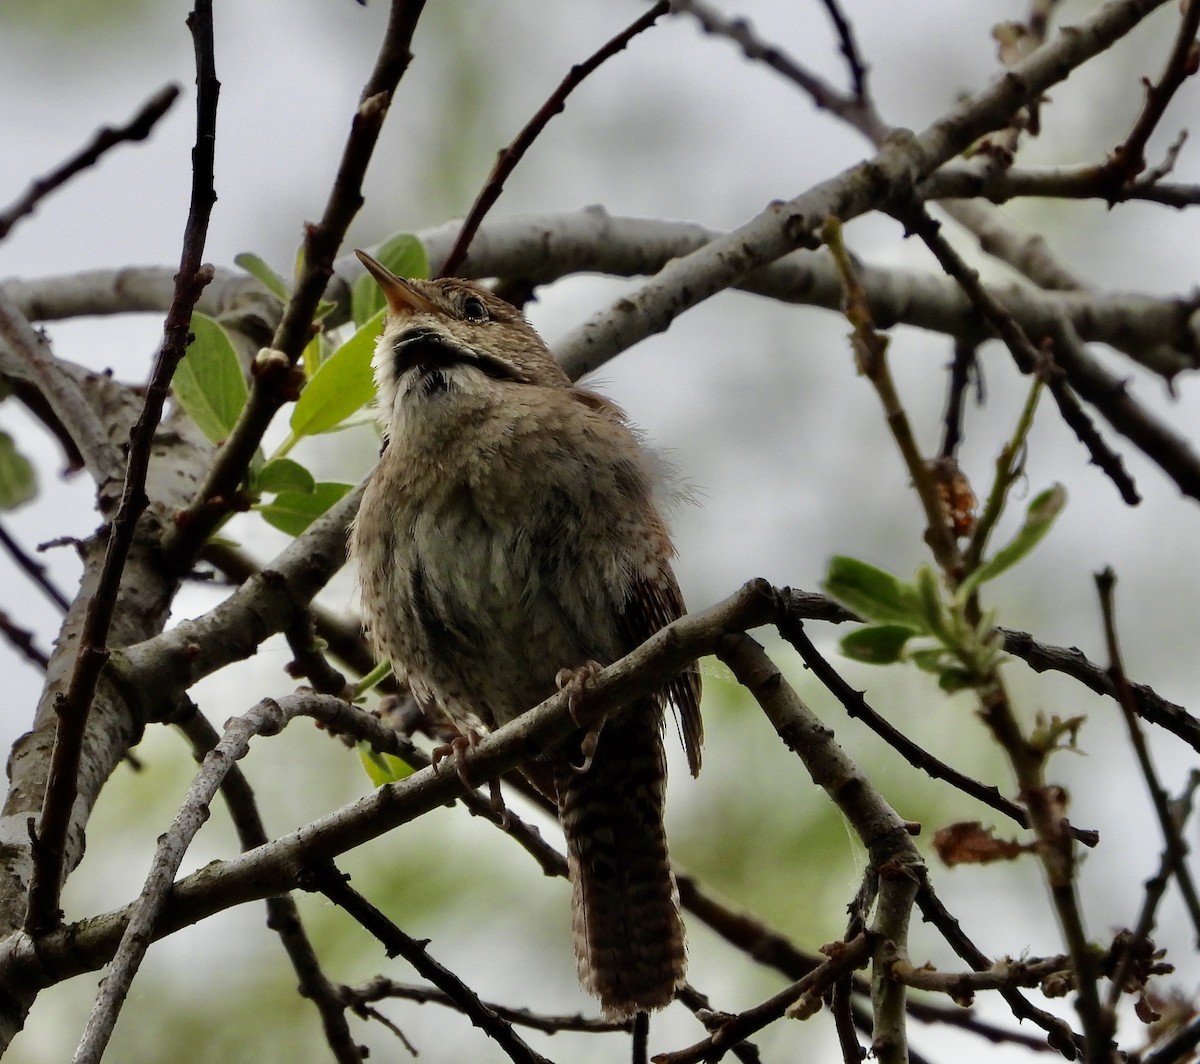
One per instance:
(452, 335)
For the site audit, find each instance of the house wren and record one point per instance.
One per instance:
(506, 540)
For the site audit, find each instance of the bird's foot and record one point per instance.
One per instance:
(457, 749)
(573, 682)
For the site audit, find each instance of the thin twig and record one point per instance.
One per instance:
(283, 915)
(381, 989)
(857, 706)
(511, 156)
(849, 49)
(22, 641)
(275, 381)
(1026, 354)
(34, 570)
(137, 128)
(61, 787)
(1176, 848)
(856, 109)
(1059, 1033)
(845, 957)
(327, 880)
(1129, 159)
(963, 367)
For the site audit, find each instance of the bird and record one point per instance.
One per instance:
(509, 544)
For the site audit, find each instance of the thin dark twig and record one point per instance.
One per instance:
(857, 110)
(137, 128)
(963, 367)
(849, 48)
(845, 958)
(308, 660)
(1025, 353)
(1176, 848)
(275, 381)
(73, 709)
(327, 880)
(857, 706)
(1156, 889)
(688, 995)
(1059, 1033)
(379, 989)
(34, 570)
(283, 915)
(511, 156)
(22, 640)
(1129, 159)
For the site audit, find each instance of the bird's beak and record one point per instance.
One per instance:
(402, 297)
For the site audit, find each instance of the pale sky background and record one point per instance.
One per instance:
(756, 404)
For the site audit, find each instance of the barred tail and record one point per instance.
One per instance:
(626, 926)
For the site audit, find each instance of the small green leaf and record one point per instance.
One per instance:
(1040, 515)
(341, 385)
(933, 610)
(382, 768)
(260, 271)
(872, 593)
(209, 382)
(956, 679)
(932, 659)
(405, 256)
(880, 644)
(293, 511)
(282, 474)
(18, 481)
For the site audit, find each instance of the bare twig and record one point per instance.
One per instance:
(137, 128)
(1129, 159)
(856, 109)
(22, 640)
(857, 706)
(61, 787)
(1176, 848)
(327, 880)
(63, 395)
(1026, 354)
(849, 48)
(381, 989)
(34, 570)
(275, 381)
(511, 156)
(844, 957)
(1060, 1035)
(283, 915)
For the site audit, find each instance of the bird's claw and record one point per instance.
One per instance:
(573, 682)
(457, 749)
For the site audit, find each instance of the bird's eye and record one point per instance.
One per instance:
(474, 310)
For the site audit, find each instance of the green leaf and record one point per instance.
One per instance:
(260, 271)
(382, 768)
(341, 385)
(209, 382)
(880, 644)
(956, 679)
(872, 593)
(293, 511)
(933, 611)
(932, 659)
(405, 256)
(18, 481)
(1039, 517)
(282, 474)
